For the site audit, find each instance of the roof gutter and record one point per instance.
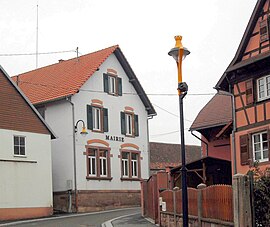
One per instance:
(202, 142)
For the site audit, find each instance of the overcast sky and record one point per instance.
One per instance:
(144, 30)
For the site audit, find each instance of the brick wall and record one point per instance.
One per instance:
(15, 113)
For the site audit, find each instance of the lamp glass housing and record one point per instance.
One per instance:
(83, 132)
(174, 52)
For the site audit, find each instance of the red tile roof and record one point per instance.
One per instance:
(217, 112)
(164, 155)
(62, 79)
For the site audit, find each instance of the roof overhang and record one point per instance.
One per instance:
(199, 161)
(135, 82)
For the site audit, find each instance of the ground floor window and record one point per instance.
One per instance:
(98, 162)
(130, 164)
(260, 146)
(254, 147)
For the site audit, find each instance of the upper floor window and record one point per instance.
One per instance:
(98, 162)
(97, 118)
(129, 124)
(19, 145)
(112, 84)
(263, 88)
(264, 30)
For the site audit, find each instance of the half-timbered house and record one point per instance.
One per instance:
(248, 79)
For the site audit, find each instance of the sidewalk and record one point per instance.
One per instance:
(131, 220)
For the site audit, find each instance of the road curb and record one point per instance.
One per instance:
(60, 217)
(109, 222)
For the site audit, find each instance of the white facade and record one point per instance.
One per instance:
(59, 116)
(26, 181)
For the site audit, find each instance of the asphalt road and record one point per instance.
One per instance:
(78, 220)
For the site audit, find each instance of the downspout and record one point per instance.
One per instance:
(230, 93)
(149, 117)
(74, 155)
(201, 141)
(233, 131)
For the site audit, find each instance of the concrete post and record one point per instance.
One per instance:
(174, 205)
(200, 187)
(241, 199)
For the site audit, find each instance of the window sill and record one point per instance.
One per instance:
(16, 160)
(19, 156)
(263, 99)
(97, 131)
(264, 162)
(99, 178)
(130, 179)
(130, 136)
(113, 94)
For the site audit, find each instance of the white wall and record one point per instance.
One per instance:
(28, 183)
(114, 104)
(59, 116)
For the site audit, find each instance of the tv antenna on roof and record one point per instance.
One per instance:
(37, 39)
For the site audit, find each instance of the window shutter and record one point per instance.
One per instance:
(249, 92)
(119, 86)
(136, 125)
(105, 120)
(106, 83)
(123, 123)
(244, 150)
(89, 117)
(264, 30)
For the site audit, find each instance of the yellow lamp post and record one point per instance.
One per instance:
(179, 53)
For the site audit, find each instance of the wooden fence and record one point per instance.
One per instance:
(211, 205)
(150, 190)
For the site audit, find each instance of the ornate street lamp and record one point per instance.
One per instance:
(179, 53)
(83, 132)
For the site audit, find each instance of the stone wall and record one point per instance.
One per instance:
(97, 200)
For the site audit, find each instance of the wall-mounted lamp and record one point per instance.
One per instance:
(83, 132)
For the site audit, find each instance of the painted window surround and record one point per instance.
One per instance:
(129, 122)
(97, 159)
(112, 83)
(130, 168)
(97, 117)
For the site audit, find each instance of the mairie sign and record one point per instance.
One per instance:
(115, 138)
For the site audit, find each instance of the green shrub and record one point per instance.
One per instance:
(261, 197)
